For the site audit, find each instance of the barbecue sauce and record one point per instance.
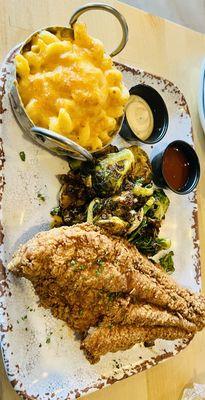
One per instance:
(176, 167)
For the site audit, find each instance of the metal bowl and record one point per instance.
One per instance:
(54, 142)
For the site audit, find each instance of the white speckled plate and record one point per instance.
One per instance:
(59, 370)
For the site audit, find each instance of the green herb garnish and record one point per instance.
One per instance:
(48, 340)
(100, 262)
(81, 312)
(22, 156)
(79, 267)
(82, 267)
(24, 318)
(41, 197)
(167, 262)
(99, 270)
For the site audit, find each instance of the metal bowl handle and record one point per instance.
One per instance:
(105, 7)
(62, 140)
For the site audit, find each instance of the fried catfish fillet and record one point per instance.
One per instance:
(89, 278)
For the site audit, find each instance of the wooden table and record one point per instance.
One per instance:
(165, 49)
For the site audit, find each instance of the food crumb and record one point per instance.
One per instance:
(41, 197)
(22, 156)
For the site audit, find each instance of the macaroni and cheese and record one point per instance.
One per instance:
(70, 86)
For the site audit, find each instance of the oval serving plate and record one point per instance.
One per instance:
(41, 355)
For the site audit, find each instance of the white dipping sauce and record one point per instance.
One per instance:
(139, 116)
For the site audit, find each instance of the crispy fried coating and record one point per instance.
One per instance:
(89, 278)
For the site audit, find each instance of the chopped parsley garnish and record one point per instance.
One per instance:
(100, 262)
(99, 270)
(78, 268)
(24, 318)
(41, 197)
(82, 267)
(48, 340)
(22, 156)
(81, 312)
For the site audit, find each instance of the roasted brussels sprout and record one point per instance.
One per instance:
(160, 206)
(141, 190)
(94, 210)
(151, 245)
(113, 224)
(73, 216)
(114, 213)
(116, 192)
(75, 190)
(142, 166)
(145, 237)
(144, 191)
(167, 262)
(137, 220)
(110, 172)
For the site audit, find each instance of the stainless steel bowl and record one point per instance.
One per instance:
(54, 142)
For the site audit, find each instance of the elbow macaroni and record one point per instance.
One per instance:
(71, 87)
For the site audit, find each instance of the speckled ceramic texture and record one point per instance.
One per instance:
(58, 370)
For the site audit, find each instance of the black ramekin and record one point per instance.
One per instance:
(193, 179)
(159, 111)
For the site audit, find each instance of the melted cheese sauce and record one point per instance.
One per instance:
(71, 87)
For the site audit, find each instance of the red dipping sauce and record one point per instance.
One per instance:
(175, 167)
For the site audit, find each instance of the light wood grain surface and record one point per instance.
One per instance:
(190, 13)
(165, 49)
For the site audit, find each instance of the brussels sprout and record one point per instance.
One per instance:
(167, 262)
(75, 191)
(144, 191)
(93, 209)
(142, 166)
(114, 212)
(137, 220)
(113, 224)
(110, 172)
(151, 245)
(160, 205)
(73, 216)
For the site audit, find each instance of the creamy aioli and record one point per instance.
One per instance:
(139, 116)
